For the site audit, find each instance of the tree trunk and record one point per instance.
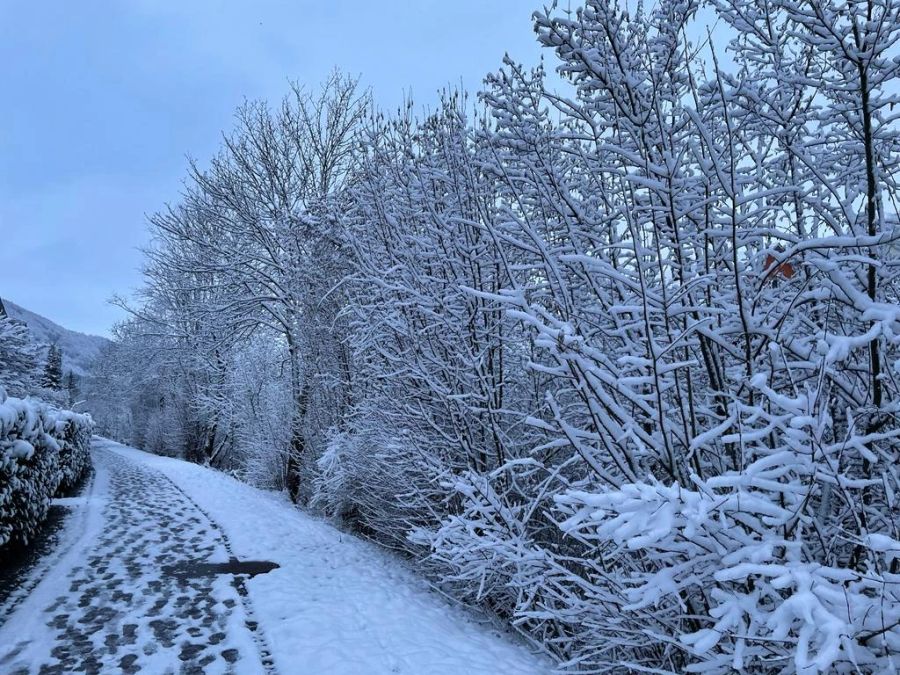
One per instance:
(299, 394)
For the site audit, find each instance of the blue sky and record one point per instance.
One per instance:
(104, 99)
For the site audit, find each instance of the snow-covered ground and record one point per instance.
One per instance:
(336, 604)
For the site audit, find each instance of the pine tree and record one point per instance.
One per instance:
(18, 357)
(53, 372)
(72, 387)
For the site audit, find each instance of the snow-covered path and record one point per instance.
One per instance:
(124, 594)
(109, 605)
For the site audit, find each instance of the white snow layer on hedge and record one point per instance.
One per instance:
(43, 451)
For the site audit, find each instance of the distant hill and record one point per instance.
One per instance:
(79, 350)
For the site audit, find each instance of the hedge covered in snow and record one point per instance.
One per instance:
(43, 451)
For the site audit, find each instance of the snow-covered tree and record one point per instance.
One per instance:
(18, 357)
(72, 388)
(615, 358)
(254, 249)
(52, 376)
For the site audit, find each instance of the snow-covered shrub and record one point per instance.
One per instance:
(29, 473)
(54, 397)
(720, 331)
(260, 412)
(73, 432)
(500, 549)
(503, 549)
(770, 598)
(41, 451)
(376, 484)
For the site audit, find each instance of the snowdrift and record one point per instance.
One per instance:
(43, 451)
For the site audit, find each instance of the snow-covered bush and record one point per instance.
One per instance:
(260, 412)
(751, 562)
(500, 549)
(376, 484)
(42, 451)
(73, 433)
(712, 297)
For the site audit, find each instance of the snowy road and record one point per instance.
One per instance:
(129, 589)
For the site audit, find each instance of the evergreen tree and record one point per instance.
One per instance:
(53, 372)
(72, 387)
(18, 357)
